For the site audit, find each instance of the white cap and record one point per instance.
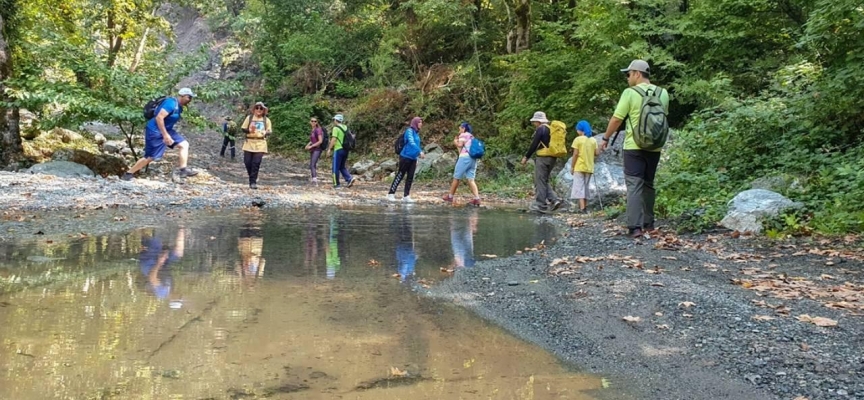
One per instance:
(186, 92)
(540, 117)
(339, 117)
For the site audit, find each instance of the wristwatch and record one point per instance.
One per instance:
(605, 139)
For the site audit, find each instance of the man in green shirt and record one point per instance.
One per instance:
(640, 165)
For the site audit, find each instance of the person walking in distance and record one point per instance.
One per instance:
(408, 160)
(640, 161)
(466, 166)
(340, 154)
(316, 139)
(229, 133)
(257, 128)
(159, 134)
(545, 199)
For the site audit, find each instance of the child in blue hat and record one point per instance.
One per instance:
(584, 151)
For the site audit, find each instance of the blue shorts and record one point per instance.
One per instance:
(466, 168)
(154, 146)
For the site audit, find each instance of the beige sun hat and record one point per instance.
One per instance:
(540, 117)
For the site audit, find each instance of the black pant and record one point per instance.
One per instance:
(406, 170)
(640, 167)
(253, 164)
(225, 142)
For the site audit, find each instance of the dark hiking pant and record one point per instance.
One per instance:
(313, 163)
(406, 170)
(253, 164)
(640, 167)
(340, 159)
(542, 171)
(225, 142)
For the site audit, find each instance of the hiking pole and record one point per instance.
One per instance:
(596, 190)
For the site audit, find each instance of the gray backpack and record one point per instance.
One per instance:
(652, 129)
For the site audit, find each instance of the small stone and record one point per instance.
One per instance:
(513, 283)
(842, 392)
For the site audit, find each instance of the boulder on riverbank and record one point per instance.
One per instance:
(749, 208)
(62, 169)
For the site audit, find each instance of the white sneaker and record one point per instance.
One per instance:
(407, 199)
(391, 197)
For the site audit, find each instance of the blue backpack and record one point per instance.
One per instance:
(477, 148)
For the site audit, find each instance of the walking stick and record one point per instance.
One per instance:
(597, 191)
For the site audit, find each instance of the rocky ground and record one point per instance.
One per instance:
(689, 317)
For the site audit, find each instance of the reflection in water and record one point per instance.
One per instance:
(106, 332)
(155, 261)
(406, 257)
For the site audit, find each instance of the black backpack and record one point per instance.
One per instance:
(151, 107)
(325, 139)
(400, 142)
(349, 140)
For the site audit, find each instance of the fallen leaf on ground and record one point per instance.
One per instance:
(664, 326)
(762, 318)
(658, 313)
(800, 398)
(669, 258)
(558, 261)
(489, 255)
(818, 321)
(685, 315)
(446, 270)
(396, 276)
(397, 372)
(631, 318)
(373, 263)
(826, 277)
(686, 304)
(805, 347)
(658, 284)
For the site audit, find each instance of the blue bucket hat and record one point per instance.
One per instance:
(584, 126)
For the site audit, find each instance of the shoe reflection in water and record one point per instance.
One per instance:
(406, 256)
(155, 261)
(334, 262)
(250, 243)
(462, 239)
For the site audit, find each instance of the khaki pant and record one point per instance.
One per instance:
(542, 170)
(640, 166)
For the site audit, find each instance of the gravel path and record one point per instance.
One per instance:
(711, 317)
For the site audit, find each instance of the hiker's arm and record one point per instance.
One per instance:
(575, 158)
(160, 123)
(621, 111)
(245, 126)
(596, 151)
(268, 127)
(538, 135)
(332, 140)
(614, 124)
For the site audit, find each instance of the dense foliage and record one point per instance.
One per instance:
(760, 87)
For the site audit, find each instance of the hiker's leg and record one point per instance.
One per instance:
(343, 165)
(453, 186)
(233, 143)
(634, 173)
(183, 149)
(154, 149)
(550, 191)
(141, 163)
(539, 191)
(335, 168)
(649, 194)
(225, 142)
(256, 166)
(474, 190)
(247, 161)
(409, 180)
(397, 179)
(313, 163)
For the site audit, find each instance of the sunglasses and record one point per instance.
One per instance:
(313, 121)
(259, 108)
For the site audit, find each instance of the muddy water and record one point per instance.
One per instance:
(309, 304)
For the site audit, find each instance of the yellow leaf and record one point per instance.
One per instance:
(818, 321)
(762, 318)
(630, 318)
(686, 304)
(397, 372)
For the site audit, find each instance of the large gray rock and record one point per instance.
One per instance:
(389, 165)
(361, 167)
(607, 181)
(67, 136)
(776, 183)
(63, 169)
(749, 208)
(113, 146)
(433, 154)
(445, 163)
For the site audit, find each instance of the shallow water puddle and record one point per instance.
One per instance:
(311, 304)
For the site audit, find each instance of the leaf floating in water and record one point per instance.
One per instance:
(398, 372)
(489, 255)
(373, 263)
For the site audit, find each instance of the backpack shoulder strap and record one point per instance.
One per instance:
(639, 90)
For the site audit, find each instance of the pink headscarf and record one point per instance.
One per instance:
(415, 123)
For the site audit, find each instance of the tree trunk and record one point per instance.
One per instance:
(519, 37)
(142, 45)
(10, 137)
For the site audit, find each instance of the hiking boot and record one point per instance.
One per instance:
(635, 233)
(534, 208)
(448, 198)
(407, 199)
(337, 187)
(391, 197)
(352, 182)
(253, 186)
(557, 204)
(127, 177)
(187, 172)
(474, 202)
(315, 181)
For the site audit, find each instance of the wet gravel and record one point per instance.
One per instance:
(695, 338)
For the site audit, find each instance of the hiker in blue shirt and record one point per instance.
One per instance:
(159, 134)
(154, 262)
(408, 160)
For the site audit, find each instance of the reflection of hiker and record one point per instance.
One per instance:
(584, 151)
(406, 257)
(334, 262)
(544, 162)
(408, 160)
(159, 135)
(250, 244)
(229, 133)
(466, 166)
(462, 239)
(340, 154)
(640, 164)
(257, 128)
(310, 238)
(154, 262)
(316, 140)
